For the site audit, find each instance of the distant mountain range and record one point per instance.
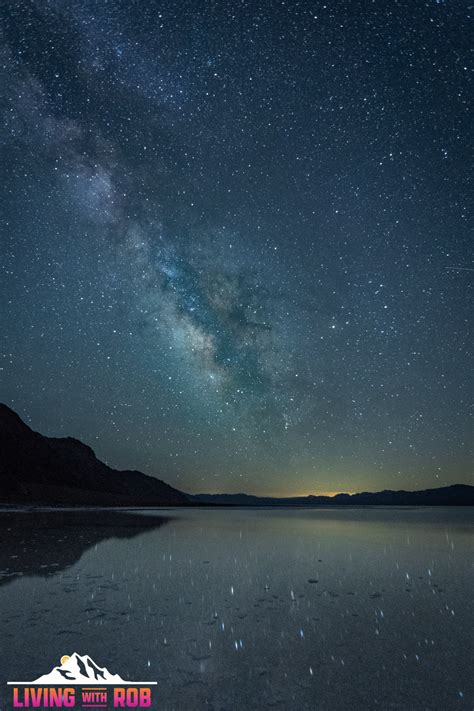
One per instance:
(64, 471)
(455, 495)
(35, 469)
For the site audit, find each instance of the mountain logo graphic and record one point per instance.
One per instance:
(81, 670)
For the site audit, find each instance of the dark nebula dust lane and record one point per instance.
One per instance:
(235, 238)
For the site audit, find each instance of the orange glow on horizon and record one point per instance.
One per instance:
(293, 494)
(277, 495)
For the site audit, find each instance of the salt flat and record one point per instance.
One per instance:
(247, 608)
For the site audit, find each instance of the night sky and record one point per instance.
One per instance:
(235, 238)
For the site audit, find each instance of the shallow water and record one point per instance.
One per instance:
(247, 608)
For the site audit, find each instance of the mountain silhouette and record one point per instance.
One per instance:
(35, 469)
(53, 470)
(455, 495)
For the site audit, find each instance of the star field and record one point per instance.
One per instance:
(235, 238)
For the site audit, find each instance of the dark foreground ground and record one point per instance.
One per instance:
(247, 609)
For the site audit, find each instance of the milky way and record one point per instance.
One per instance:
(235, 238)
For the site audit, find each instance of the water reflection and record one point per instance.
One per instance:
(44, 543)
(249, 609)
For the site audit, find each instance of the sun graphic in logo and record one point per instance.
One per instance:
(65, 658)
